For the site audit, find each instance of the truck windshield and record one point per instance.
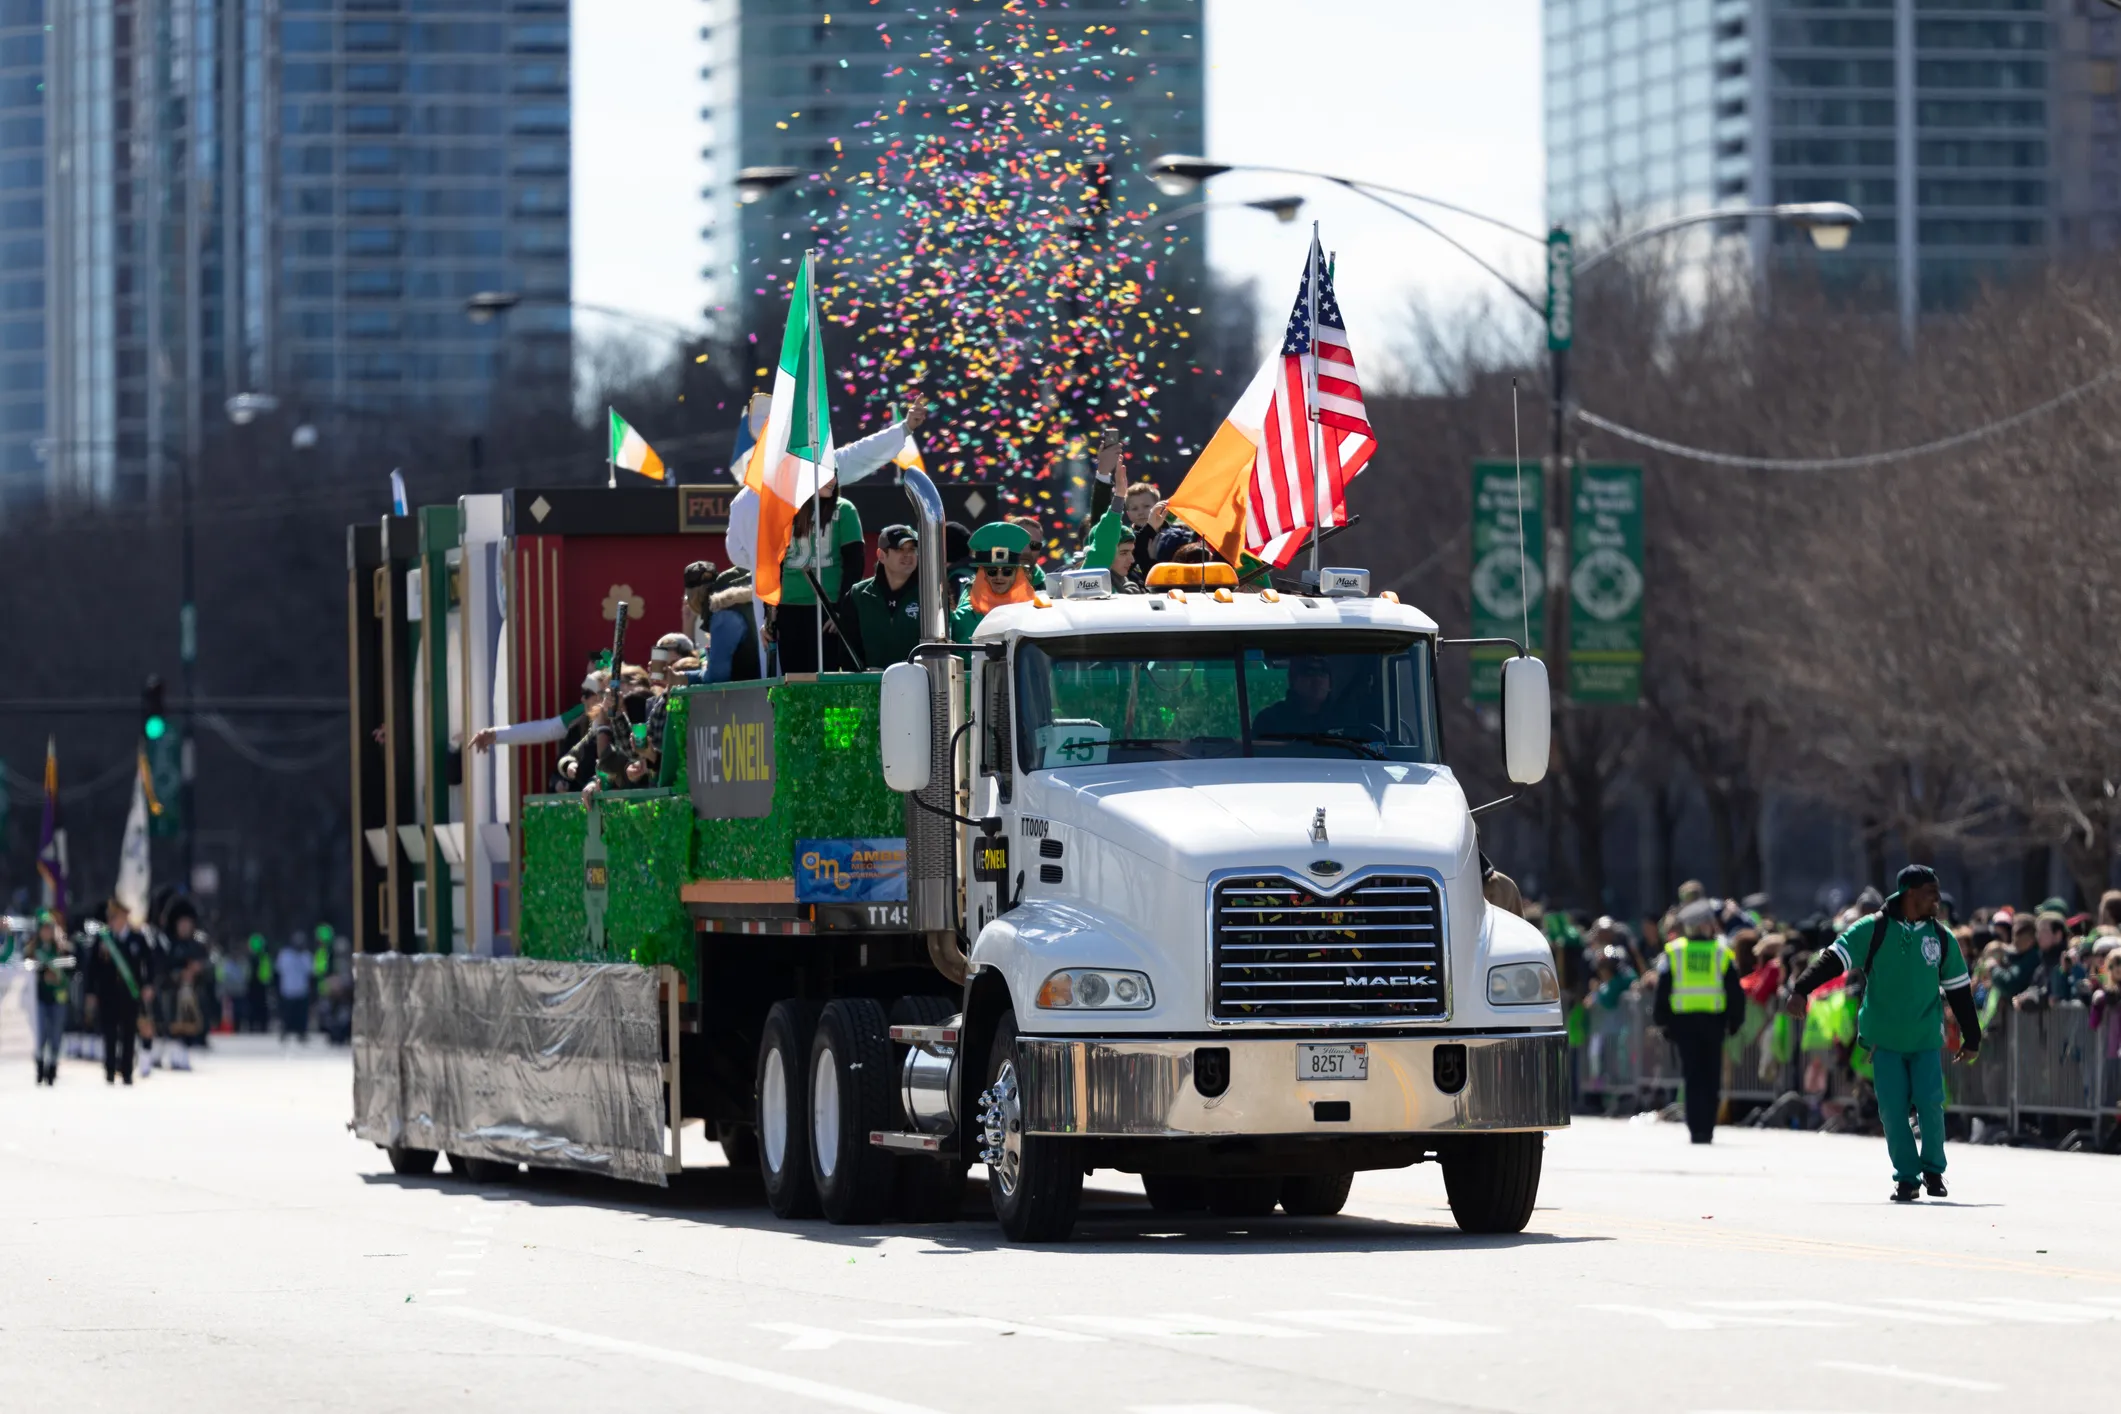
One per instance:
(1343, 694)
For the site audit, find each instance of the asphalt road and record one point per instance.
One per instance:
(217, 1240)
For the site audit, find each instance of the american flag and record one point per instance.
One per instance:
(1285, 485)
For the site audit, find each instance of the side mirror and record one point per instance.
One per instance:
(1527, 720)
(903, 727)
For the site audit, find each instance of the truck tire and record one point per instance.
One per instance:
(1034, 1180)
(1493, 1180)
(927, 1190)
(1176, 1193)
(1246, 1197)
(784, 1109)
(1315, 1195)
(480, 1170)
(850, 1098)
(740, 1145)
(413, 1163)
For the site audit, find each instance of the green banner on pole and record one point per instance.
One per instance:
(1605, 584)
(1561, 290)
(1506, 571)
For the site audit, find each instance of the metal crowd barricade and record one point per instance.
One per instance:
(2045, 1061)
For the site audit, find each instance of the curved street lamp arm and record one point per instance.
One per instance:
(1507, 283)
(1698, 218)
(1368, 187)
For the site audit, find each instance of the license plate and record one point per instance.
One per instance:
(1349, 1062)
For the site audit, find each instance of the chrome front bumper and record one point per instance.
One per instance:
(1116, 1088)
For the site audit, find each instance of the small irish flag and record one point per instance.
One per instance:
(630, 451)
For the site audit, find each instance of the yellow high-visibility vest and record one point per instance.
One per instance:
(1698, 966)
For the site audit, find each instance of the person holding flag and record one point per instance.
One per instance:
(1275, 474)
(789, 466)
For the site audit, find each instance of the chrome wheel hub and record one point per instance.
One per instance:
(1002, 1129)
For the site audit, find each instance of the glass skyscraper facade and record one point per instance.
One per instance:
(291, 197)
(22, 250)
(1976, 136)
(422, 158)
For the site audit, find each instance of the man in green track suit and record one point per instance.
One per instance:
(1910, 965)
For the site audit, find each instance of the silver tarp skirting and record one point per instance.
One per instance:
(557, 1064)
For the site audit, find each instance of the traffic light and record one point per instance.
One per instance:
(153, 724)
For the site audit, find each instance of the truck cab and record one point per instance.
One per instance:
(1223, 900)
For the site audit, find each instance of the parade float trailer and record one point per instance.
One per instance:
(1053, 901)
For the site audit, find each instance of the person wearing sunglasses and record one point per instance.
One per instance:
(999, 552)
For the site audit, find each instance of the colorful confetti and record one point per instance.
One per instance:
(975, 243)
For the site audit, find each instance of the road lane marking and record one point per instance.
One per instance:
(824, 1337)
(1184, 1325)
(982, 1323)
(1996, 1309)
(706, 1364)
(445, 1291)
(1920, 1377)
(1193, 1409)
(1846, 1308)
(457, 1272)
(1701, 1321)
(1348, 1319)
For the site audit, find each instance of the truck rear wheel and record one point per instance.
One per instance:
(1493, 1180)
(850, 1097)
(1246, 1197)
(413, 1163)
(1176, 1193)
(784, 1109)
(1315, 1195)
(928, 1190)
(1035, 1180)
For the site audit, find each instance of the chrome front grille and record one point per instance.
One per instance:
(1284, 952)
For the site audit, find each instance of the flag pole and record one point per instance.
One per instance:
(1320, 502)
(820, 435)
(611, 453)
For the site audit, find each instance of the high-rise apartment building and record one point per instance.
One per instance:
(786, 77)
(23, 377)
(291, 197)
(1976, 136)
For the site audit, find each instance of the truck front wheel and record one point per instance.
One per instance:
(1315, 1195)
(850, 1097)
(410, 1162)
(784, 1109)
(1493, 1180)
(1035, 1180)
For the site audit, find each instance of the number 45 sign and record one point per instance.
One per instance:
(1073, 743)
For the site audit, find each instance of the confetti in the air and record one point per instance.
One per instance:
(986, 235)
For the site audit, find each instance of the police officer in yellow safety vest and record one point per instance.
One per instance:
(1911, 967)
(1699, 1002)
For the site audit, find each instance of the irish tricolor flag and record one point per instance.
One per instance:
(783, 467)
(631, 452)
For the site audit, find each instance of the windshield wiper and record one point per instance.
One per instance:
(1353, 743)
(1147, 743)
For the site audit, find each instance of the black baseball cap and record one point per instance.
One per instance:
(699, 572)
(893, 536)
(1914, 876)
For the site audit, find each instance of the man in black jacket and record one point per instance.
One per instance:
(1699, 1002)
(119, 981)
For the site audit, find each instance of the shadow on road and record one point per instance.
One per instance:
(1110, 1221)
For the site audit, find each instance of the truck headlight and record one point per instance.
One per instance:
(1522, 984)
(1096, 989)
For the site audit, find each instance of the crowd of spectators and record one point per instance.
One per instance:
(2020, 960)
